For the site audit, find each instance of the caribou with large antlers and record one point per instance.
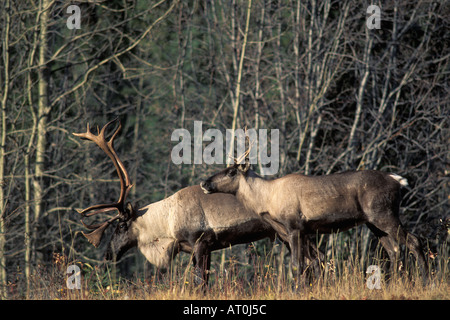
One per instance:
(297, 205)
(188, 221)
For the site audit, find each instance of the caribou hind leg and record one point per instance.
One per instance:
(389, 244)
(414, 245)
(391, 234)
(382, 211)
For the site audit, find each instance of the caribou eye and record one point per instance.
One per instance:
(232, 172)
(123, 226)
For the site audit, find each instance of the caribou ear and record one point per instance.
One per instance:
(243, 167)
(129, 211)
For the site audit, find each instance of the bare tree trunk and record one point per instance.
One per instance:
(28, 176)
(238, 84)
(279, 75)
(258, 95)
(296, 103)
(309, 81)
(136, 139)
(5, 50)
(3, 202)
(27, 232)
(43, 111)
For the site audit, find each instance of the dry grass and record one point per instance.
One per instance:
(263, 279)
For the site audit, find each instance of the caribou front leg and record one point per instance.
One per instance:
(296, 242)
(202, 262)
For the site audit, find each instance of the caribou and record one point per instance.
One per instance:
(188, 221)
(298, 205)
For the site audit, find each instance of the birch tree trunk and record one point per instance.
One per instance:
(43, 111)
(5, 51)
(239, 77)
(258, 96)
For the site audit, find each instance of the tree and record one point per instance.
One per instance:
(3, 191)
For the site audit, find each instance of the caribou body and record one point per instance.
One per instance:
(297, 205)
(188, 221)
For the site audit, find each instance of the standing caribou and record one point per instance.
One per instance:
(188, 221)
(297, 205)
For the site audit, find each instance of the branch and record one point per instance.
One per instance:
(114, 56)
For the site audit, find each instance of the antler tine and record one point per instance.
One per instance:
(101, 207)
(247, 152)
(101, 133)
(125, 181)
(84, 135)
(95, 236)
(99, 139)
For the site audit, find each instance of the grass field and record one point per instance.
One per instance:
(265, 277)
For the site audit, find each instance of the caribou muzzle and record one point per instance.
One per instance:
(207, 186)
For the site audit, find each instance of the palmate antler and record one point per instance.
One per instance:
(125, 185)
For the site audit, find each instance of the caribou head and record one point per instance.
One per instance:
(229, 179)
(123, 237)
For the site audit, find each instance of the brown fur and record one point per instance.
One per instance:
(297, 205)
(188, 221)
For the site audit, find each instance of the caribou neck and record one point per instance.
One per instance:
(151, 222)
(255, 192)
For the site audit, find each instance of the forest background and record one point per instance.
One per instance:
(344, 97)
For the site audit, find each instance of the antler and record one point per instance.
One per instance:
(247, 152)
(125, 185)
